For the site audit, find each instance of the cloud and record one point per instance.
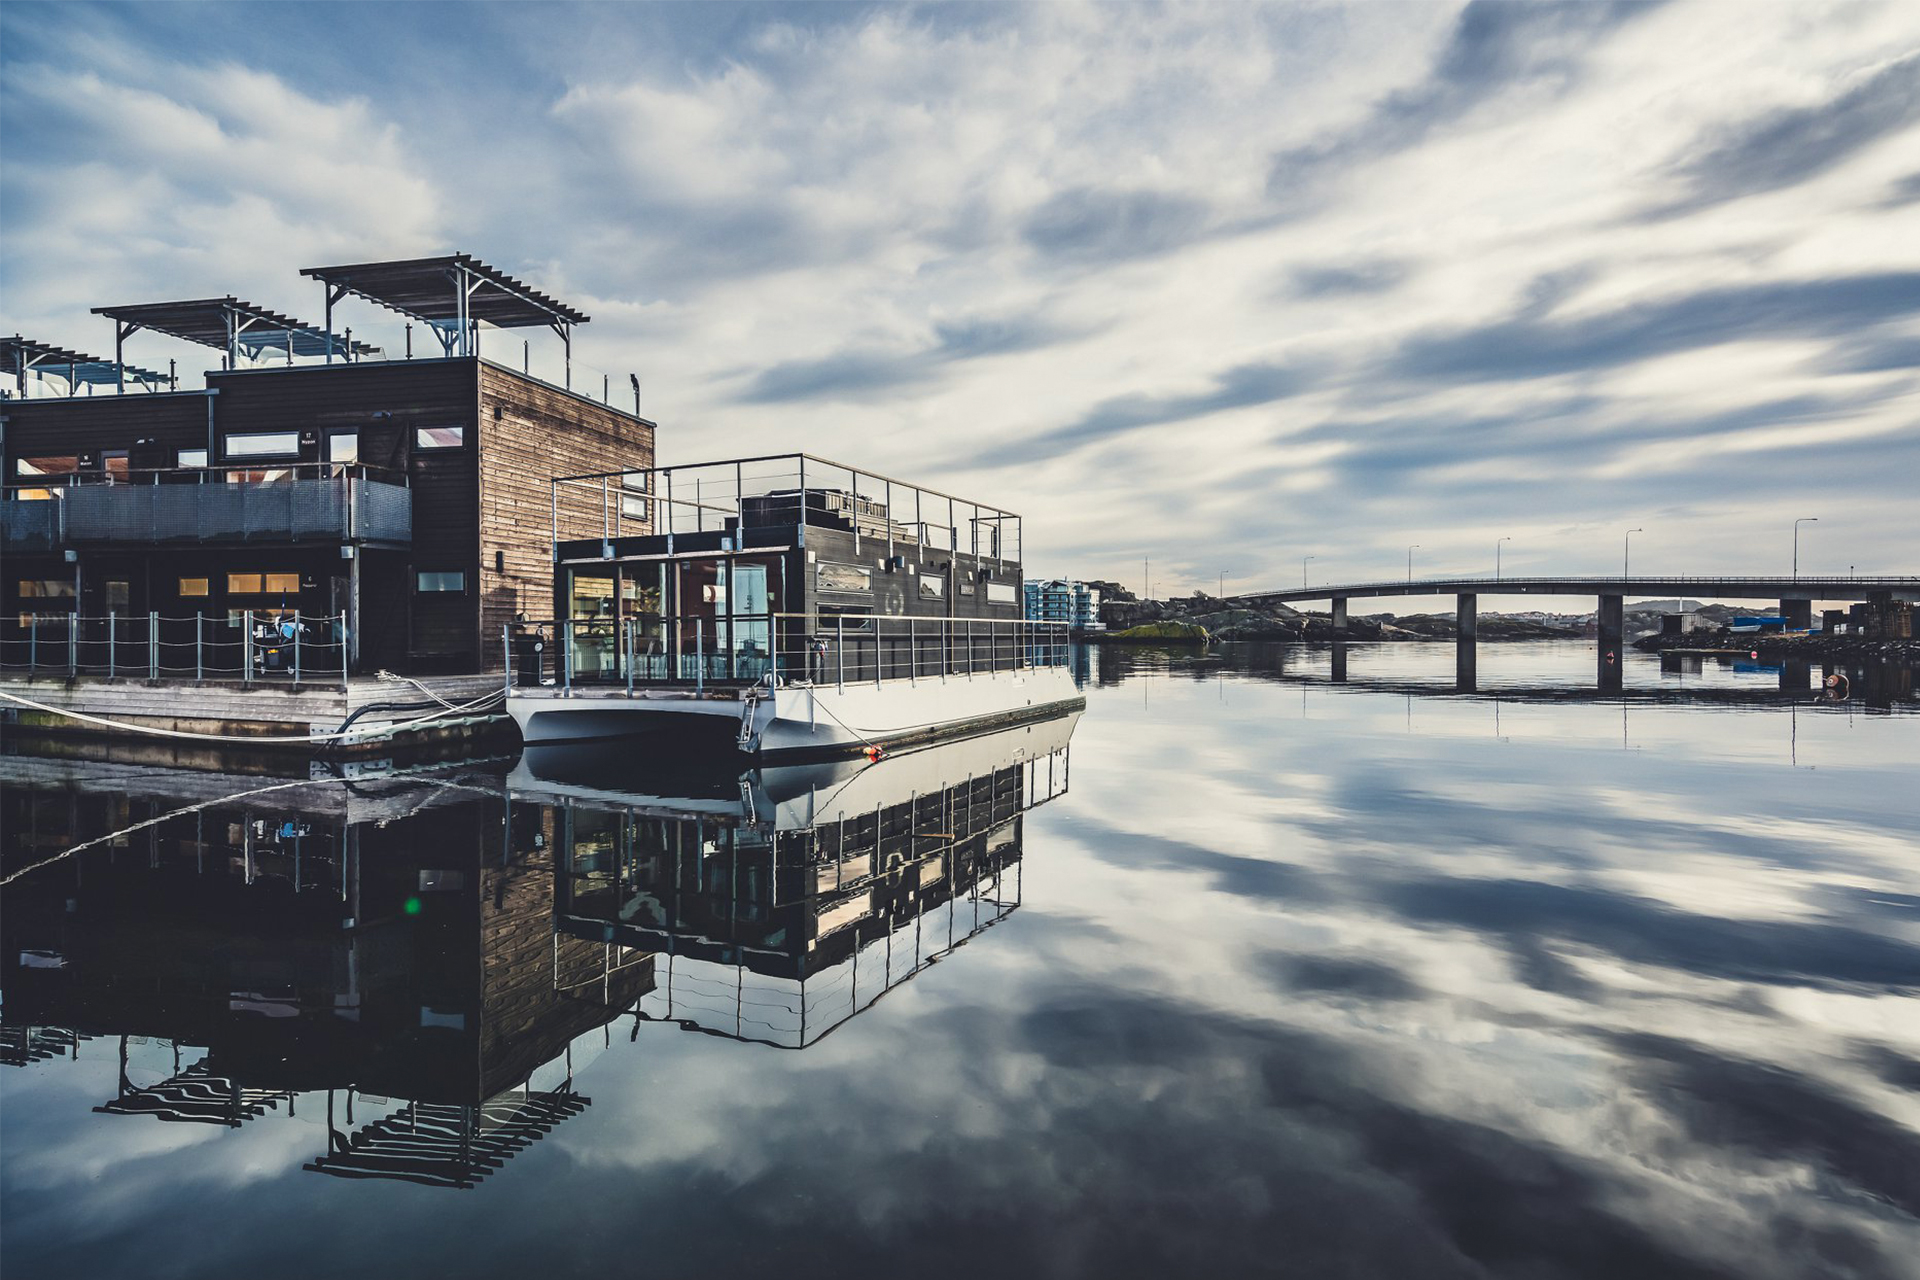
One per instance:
(1528, 347)
(1791, 145)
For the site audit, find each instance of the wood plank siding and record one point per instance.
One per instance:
(530, 432)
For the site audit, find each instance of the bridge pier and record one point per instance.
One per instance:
(1797, 614)
(1339, 614)
(1466, 645)
(1610, 632)
(1339, 662)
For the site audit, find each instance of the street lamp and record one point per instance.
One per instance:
(1496, 557)
(1410, 551)
(1626, 554)
(1796, 540)
(1303, 570)
(1223, 584)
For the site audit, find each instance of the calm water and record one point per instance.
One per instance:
(1255, 975)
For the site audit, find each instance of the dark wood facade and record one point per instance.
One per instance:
(465, 446)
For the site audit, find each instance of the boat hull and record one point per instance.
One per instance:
(799, 721)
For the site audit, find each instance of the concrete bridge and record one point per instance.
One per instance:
(1795, 593)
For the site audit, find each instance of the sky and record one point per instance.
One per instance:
(1217, 288)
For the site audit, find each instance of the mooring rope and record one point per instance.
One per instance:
(242, 739)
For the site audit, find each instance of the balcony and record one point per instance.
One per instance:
(309, 503)
(27, 527)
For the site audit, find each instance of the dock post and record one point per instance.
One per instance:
(246, 648)
(199, 648)
(506, 660)
(913, 653)
(33, 645)
(566, 659)
(113, 643)
(840, 653)
(153, 647)
(297, 625)
(699, 655)
(626, 650)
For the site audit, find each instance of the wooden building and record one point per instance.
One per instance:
(403, 505)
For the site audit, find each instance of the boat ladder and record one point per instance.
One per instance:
(749, 703)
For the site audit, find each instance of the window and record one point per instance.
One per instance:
(191, 458)
(114, 463)
(431, 580)
(60, 466)
(45, 589)
(243, 584)
(282, 582)
(932, 588)
(253, 584)
(439, 437)
(264, 444)
(195, 586)
(343, 446)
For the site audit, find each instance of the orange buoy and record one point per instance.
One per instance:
(872, 753)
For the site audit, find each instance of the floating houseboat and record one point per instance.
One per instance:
(781, 605)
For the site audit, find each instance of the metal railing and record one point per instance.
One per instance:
(269, 502)
(712, 500)
(781, 648)
(247, 645)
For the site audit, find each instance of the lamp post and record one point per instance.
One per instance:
(1496, 557)
(1796, 540)
(1626, 553)
(1303, 570)
(1223, 584)
(1410, 551)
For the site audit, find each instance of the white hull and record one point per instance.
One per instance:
(801, 718)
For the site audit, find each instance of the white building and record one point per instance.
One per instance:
(1063, 600)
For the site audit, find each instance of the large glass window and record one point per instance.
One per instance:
(282, 582)
(439, 437)
(30, 468)
(195, 586)
(343, 446)
(191, 458)
(243, 584)
(264, 444)
(45, 588)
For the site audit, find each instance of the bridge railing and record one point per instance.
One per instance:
(1411, 586)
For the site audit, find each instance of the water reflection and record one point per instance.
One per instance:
(1294, 979)
(428, 958)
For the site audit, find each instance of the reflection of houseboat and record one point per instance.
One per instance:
(783, 901)
(783, 605)
(362, 951)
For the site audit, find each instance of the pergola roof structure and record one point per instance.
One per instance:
(448, 289)
(20, 356)
(228, 324)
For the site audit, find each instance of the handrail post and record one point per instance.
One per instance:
(113, 642)
(699, 655)
(246, 648)
(840, 649)
(199, 648)
(296, 648)
(566, 659)
(343, 650)
(33, 644)
(913, 653)
(626, 643)
(506, 660)
(153, 646)
(73, 641)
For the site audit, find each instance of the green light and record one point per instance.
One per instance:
(411, 906)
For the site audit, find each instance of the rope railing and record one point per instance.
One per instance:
(248, 645)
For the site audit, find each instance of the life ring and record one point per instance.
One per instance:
(895, 602)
